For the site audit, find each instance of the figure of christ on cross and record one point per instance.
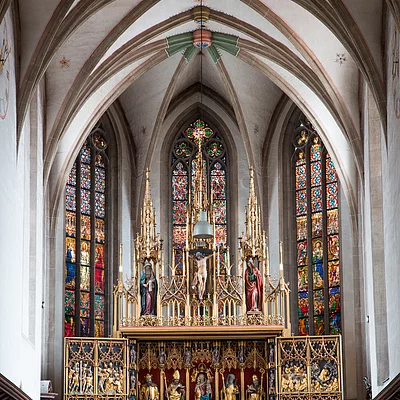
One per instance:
(200, 277)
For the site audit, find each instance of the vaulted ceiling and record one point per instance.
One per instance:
(94, 52)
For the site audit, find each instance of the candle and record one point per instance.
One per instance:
(218, 260)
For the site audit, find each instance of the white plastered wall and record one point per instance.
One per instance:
(20, 244)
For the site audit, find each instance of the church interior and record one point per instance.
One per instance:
(198, 199)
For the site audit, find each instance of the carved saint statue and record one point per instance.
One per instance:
(230, 390)
(202, 391)
(187, 357)
(133, 380)
(149, 390)
(215, 356)
(200, 277)
(148, 291)
(132, 355)
(162, 358)
(241, 354)
(254, 391)
(254, 287)
(176, 391)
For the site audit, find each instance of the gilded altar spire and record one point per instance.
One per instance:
(148, 241)
(253, 243)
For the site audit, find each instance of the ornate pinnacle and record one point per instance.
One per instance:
(253, 243)
(147, 243)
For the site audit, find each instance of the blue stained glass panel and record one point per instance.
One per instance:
(100, 205)
(70, 198)
(316, 199)
(85, 201)
(316, 173)
(301, 177)
(72, 176)
(301, 202)
(331, 175)
(70, 275)
(85, 154)
(85, 176)
(100, 179)
(332, 195)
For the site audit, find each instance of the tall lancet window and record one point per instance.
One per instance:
(85, 248)
(317, 235)
(184, 169)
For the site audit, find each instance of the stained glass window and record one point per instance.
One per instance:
(317, 236)
(184, 167)
(85, 240)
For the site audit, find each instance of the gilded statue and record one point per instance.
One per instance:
(230, 390)
(73, 378)
(110, 379)
(87, 379)
(149, 390)
(176, 391)
(254, 391)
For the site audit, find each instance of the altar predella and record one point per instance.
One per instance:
(202, 328)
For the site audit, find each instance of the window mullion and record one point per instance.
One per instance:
(78, 250)
(309, 245)
(92, 241)
(325, 242)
